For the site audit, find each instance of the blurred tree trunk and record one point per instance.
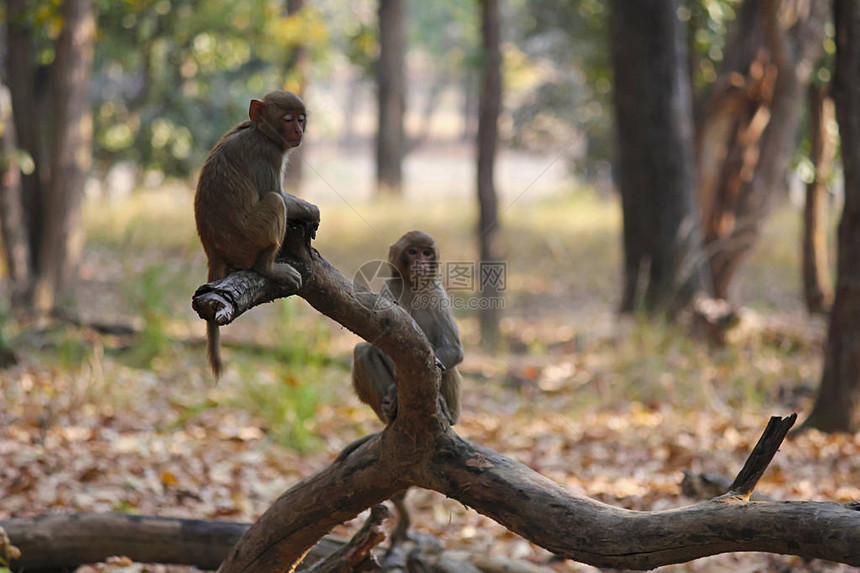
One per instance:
(748, 129)
(296, 82)
(653, 116)
(817, 288)
(71, 151)
(13, 224)
(391, 97)
(837, 408)
(21, 79)
(491, 268)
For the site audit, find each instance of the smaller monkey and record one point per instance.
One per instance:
(419, 291)
(240, 206)
(416, 287)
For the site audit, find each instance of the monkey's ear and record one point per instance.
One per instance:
(255, 112)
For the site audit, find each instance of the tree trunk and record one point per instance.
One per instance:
(837, 408)
(492, 269)
(748, 129)
(20, 67)
(817, 288)
(296, 82)
(71, 151)
(653, 113)
(391, 97)
(12, 221)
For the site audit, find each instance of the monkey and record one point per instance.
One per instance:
(417, 288)
(240, 206)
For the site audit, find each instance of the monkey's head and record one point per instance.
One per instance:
(415, 253)
(283, 113)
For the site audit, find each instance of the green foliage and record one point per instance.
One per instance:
(570, 40)
(709, 23)
(172, 76)
(282, 382)
(148, 291)
(286, 404)
(71, 349)
(449, 31)
(308, 345)
(7, 352)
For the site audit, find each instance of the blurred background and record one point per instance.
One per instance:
(661, 179)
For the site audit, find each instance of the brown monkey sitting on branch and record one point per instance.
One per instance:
(417, 288)
(240, 206)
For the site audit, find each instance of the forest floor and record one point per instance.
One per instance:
(615, 409)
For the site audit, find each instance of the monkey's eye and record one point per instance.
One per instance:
(428, 253)
(412, 251)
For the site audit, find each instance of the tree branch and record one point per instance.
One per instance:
(418, 448)
(591, 532)
(761, 456)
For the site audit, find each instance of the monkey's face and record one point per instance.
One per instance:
(292, 125)
(420, 260)
(282, 112)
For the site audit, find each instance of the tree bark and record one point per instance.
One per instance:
(71, 152)
(653, 116)
(13, 224)
(420, 448)
(817, 287)
(492, 269)
(20, 66)
(749, 125)
(837, 407)
(391, 97)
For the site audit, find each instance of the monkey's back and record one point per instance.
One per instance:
(242, 168)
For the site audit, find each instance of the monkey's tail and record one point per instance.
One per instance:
(213, 348)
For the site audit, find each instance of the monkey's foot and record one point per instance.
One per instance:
(286, 274)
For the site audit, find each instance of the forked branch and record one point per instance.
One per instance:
(418, 448)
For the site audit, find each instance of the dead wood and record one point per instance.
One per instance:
(761, 456)
(64, 542)
(355, 555)
(419, 448)
(54, 543)
(419, 552)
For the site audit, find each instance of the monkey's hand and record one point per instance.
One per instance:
(305, 211)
